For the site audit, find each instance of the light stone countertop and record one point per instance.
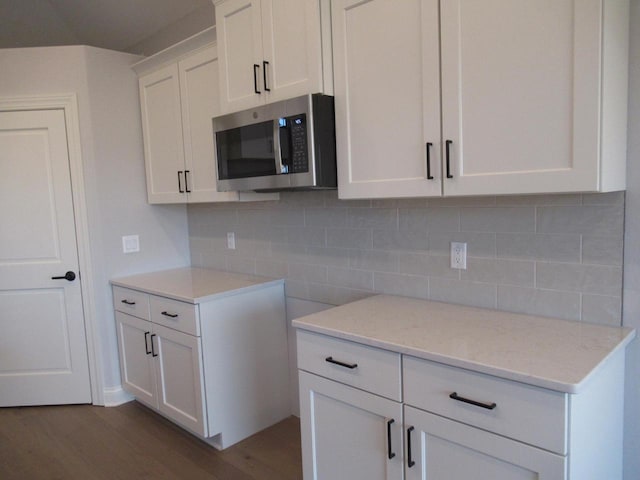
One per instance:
(194, 285)
(556, 354)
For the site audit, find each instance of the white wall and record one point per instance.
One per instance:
(198, 20)
(113, 164)
(631, 286)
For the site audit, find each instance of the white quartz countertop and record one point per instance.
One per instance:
(556, 354)
(194, 285)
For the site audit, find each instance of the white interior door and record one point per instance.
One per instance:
(43, 351)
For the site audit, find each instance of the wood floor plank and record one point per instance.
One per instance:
(132, 442)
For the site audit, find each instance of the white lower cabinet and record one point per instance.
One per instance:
(179, 378)
(136, 362)
(348, 433)
(439, 448)
(218, 368)
(448, 423)
(162, 368)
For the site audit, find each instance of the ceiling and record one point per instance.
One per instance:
(112, 24)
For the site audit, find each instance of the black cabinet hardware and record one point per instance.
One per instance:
(390, 453)
(153, 350)
(128, 302)
(186, 181)
(70, 276)
(180, 190)
(146, 342)
(350, 366)
(167, 314)
(448, 157)
(255, 78)
(264, 75)
(488, 406)
(429, 176)
(410, 462)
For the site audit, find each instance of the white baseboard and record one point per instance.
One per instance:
(114, 396)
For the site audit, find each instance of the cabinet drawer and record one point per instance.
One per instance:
(530, 414)
(131, 302)
(367, 368)
(177, 315)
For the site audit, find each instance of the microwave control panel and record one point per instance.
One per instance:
(298, 155)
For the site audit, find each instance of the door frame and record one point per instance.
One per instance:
(69, 104)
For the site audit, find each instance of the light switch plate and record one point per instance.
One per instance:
(130, 243)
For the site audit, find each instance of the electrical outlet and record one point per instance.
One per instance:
(459, 255)
(231, 240)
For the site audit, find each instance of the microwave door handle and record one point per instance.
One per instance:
(276, 146)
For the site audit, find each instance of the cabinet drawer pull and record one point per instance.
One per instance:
(180, 190)
(255, 78)
(186, 181)
(350, 366)
(264, 75)
(167, 314)
(488, 406)
(390, 453)
(128, 302)
(448, 157)
(153, 350)
(146, 342)
(429, 176)
(410, 462)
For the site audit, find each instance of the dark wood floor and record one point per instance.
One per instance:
(131, 442)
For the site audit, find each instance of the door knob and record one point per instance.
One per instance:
(67, 276)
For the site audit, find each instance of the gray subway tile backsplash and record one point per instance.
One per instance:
(497, 219)
(584, 219)
(550, 255)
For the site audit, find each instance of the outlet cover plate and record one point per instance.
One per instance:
(459, 255)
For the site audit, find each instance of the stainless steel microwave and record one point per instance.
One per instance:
(287, 145)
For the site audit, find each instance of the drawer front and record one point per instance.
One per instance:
(174, 314)
(131, 302)
(530, 414)
(371, 369)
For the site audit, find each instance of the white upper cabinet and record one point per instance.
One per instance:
(532, 96)
(162, 132)
(387, 98)
(271, 50)
(179, 96)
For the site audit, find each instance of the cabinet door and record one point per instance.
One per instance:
(520, 95)
(387, 97)
(199, 96)
(292, 48)
(344, 432)
(446, 450)
(239, 30)
(179, 378)
(136, 361)
(162, 132)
